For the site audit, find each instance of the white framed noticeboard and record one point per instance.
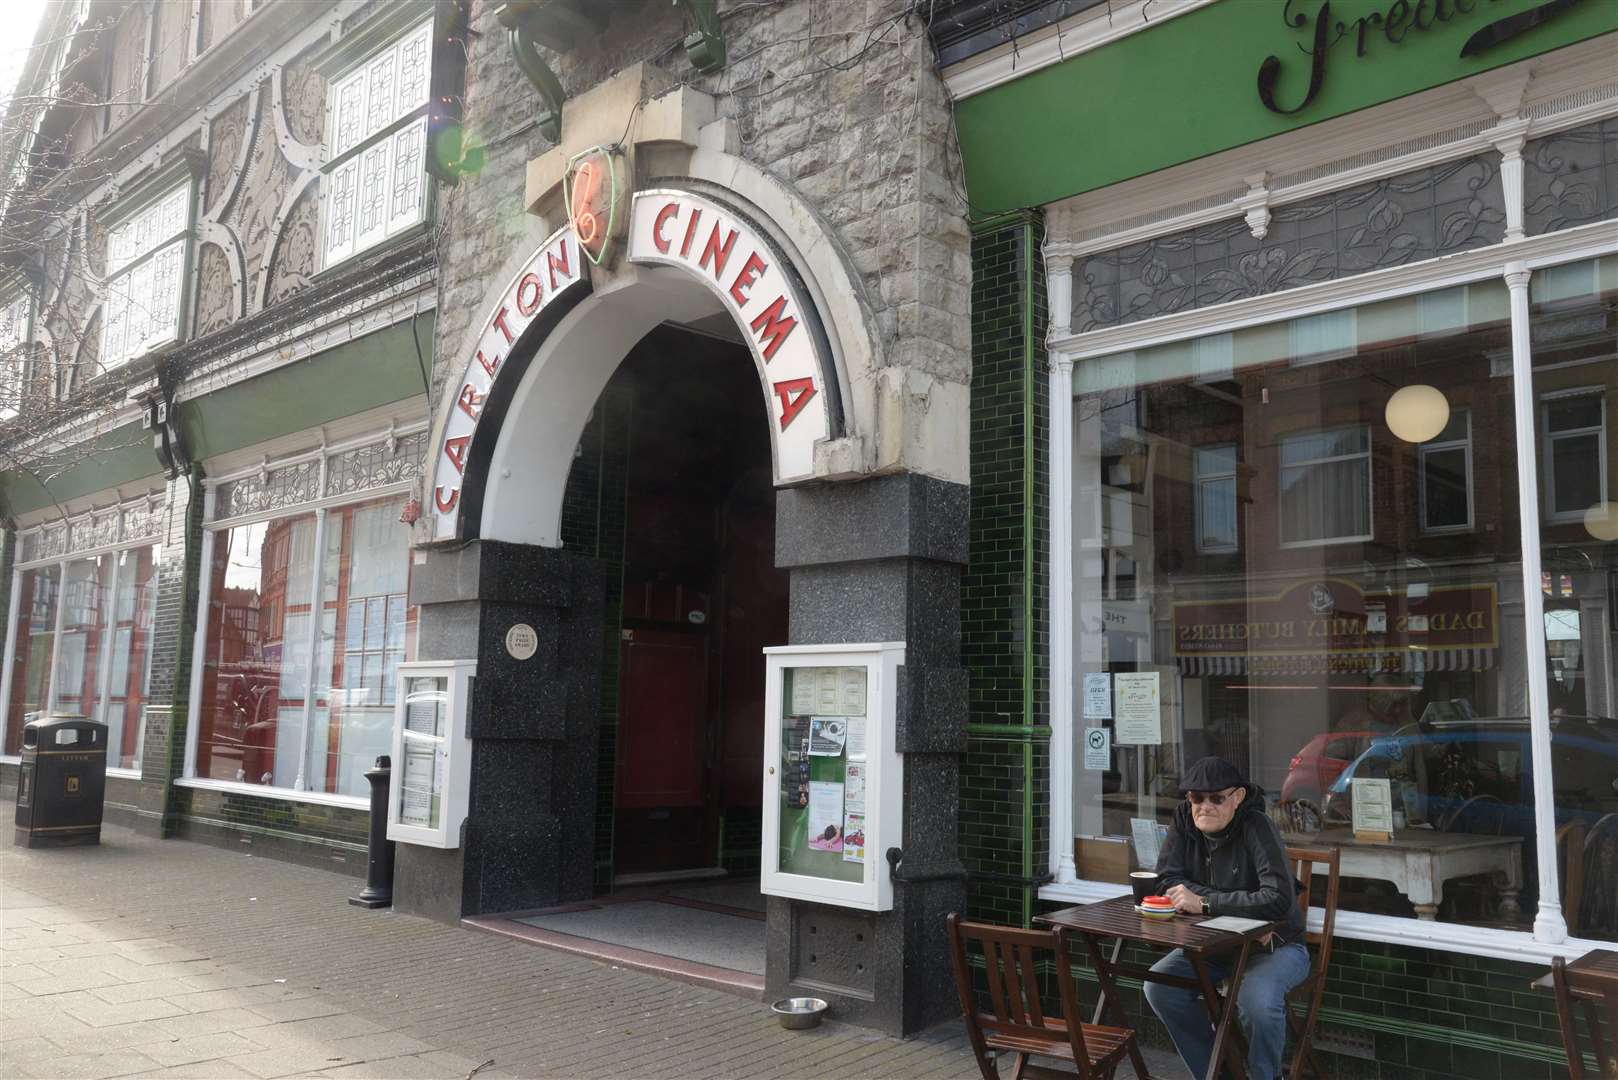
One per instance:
(432, 757)
(833, 780)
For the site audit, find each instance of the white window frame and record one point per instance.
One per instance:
(368, 156)
(1422, 452)
(1516, 262)
(1549, 438)
(146, 243)
(61, 562)
(1199, 478)
(1370, 486)
(319, 507)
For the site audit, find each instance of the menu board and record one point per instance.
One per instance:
(823, 772)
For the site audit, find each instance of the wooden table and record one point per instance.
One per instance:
(1420, 861)
(1117, 919)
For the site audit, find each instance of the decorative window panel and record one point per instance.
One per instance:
(1571, 178)
(1414, 216)
(146, 262)
(376, 465)
(374, 186)
(131, 523)
(274, 489)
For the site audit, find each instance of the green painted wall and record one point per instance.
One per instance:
(377, 369)
(1188, 88)
(121, 456)
(368, 372)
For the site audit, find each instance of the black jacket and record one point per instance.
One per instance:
(1242, 871)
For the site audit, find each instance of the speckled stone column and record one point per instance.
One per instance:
(880, 560)
(530, 827)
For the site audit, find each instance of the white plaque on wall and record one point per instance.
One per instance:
(522, 642)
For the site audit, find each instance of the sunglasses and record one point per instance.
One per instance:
(1214, 798)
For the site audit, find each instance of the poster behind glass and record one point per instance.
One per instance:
(421, 785)
(824, 767)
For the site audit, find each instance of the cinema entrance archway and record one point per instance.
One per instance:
(869, 559)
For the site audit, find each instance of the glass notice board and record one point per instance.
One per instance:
(432, 757)
(832, 775)
(825, 766)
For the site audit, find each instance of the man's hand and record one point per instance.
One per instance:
(1185, 900)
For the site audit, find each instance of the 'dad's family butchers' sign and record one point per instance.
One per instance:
(1331, 616)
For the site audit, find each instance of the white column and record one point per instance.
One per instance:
(199, 640)
(11, 651)
(1549, 926)
(1059, 293)
(109, 622)
(317, 612)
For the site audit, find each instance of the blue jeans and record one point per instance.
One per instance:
(1261, 1005)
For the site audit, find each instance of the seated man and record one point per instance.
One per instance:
(1225, 857)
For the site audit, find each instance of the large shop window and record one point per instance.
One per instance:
(146, 258)
(81, 646)
(1346, 625)
(1574, 328)
(375, 184)
(297, 681)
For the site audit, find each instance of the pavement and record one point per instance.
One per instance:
(167, 958)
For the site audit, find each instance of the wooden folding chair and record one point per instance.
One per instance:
(1573, 987)
(1017, 1022)
(1312, 989)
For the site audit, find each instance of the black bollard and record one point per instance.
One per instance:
(378, 890)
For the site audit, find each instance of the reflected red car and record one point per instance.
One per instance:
(1321, 761)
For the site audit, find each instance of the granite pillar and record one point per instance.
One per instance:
(880, 560)
(527, 841)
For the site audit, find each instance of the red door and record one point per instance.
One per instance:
(663, 753)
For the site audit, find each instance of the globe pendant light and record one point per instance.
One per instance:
(1601, 521)
(1418, 413)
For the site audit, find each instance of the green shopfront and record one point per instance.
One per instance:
(1301, 323)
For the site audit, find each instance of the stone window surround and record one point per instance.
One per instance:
(397, 440)
(1515, 261)
(144, 508)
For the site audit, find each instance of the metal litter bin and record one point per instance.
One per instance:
(62, 783)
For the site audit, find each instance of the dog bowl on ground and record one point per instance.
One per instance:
(797, 1013)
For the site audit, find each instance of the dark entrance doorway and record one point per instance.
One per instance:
(700, 598)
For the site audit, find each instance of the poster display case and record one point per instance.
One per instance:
(432, 757)
(833, 786)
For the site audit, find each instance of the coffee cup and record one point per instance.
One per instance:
(1143, 883)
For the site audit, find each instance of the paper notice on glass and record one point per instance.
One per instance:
(825, 816)
(424, 707)
(418, 784)
(1139, 705)
(856, 737)
(851, 687)
(828, 692)
(804, 680)
(1097, 748)
(1148, 837)
(854, 786)
(1373, 808)
(827, 734)
(854, 837)
(1098, 696)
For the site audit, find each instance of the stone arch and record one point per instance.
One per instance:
(554, 334)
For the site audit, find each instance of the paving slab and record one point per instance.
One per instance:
(170, 959)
